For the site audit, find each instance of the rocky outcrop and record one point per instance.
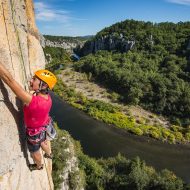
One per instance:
(109, 43)
(21, 53)
(71, 175)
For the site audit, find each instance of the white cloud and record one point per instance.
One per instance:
(44, 13)
(57, 21)
(182, 2)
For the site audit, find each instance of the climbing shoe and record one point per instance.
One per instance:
(48, 156)
(34, 167)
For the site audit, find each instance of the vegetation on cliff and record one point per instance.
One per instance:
(64, 162)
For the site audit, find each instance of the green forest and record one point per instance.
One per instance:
(154, 74)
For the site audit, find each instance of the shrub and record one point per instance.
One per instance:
(176, 128)
(136, 131)
(60, 160)
(154, 134)
(93, 171)
(178, 136)
(114, 96)
(171, 138)
(167, 180)
(78, 106)
(165, 133)
(187, 136)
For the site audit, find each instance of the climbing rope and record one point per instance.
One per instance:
(7, 36)
(26, 85)
(28, 44)
(47, 172)
(29, 55)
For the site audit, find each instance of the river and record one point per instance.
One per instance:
(101, 140)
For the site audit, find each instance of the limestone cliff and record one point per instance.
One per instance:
(21, 53)
(68, 44)
(107, 42)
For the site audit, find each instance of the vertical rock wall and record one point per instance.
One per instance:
(21, 53)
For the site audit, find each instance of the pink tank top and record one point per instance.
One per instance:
(36, 114)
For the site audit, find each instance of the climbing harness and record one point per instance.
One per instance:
(50, 131)
(37, 138)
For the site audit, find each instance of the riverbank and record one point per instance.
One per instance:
(103, 105)
(81, 83)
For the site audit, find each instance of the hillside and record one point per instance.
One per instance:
(81, 84)
(91, 98)
(152, 72)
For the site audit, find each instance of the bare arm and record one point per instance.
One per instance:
(14, 85)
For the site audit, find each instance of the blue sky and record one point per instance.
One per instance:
(87, 17)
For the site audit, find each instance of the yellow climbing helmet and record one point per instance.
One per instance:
(48, 77)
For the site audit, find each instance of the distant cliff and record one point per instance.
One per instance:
(107, 42)
(65, 42)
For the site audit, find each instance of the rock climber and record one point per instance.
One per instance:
(36, 111)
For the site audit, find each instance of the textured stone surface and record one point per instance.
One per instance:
(21, 53)
(71, 167)
(110, 42)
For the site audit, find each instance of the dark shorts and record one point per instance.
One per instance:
(35, 147)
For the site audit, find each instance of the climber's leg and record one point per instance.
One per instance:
(37, 158)
(46, 147)
(35, 153)
(34, 149)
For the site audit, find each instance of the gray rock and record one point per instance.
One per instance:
(110, 42)
(22, 54)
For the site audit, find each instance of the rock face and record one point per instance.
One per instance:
(72, 179)
(109, 43)
(21, 53)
